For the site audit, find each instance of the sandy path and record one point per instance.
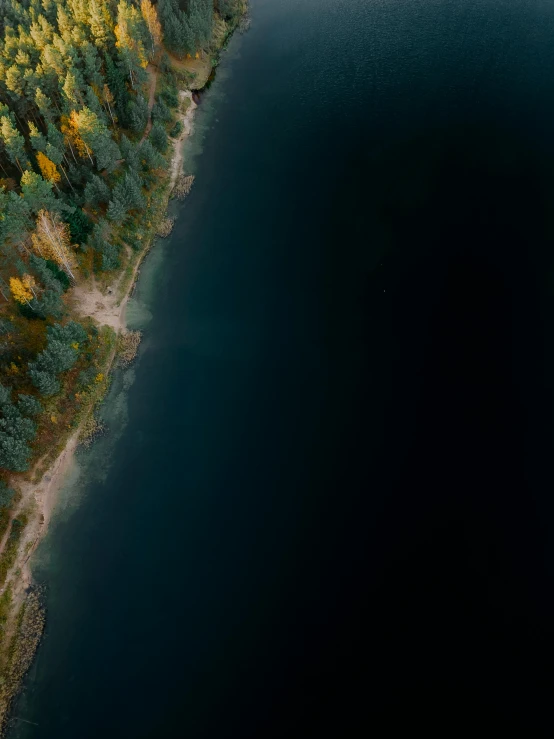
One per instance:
(179, 152)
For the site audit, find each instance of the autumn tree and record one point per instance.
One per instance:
(51, 241)
(153, 24)
(22, 289)
(87, 128)
(130, 35)
(48, 168)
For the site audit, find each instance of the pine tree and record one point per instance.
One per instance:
(96, 191)
(117, 211)
(130, 153)
(13, 142)
(14, 452)
(150, 157)
(116, 84)
(38, 142)
(37, 192)
(138, 114)
(72, 87)
(101, 24)
(158, 138)
(28, 406)
(16, 432)
(177, 33)
(15, 218)
(45, 382)
(130, 33)
(201, 16)
(128, 192)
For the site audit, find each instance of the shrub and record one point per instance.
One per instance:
(176, 129)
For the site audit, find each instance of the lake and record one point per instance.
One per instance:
(324, 503)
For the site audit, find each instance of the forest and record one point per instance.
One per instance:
(83, 158)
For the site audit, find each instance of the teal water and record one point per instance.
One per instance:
(324, 504)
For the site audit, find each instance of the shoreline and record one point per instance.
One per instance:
(22, 610)
(40, 498)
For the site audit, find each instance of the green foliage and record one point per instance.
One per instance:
(16, 431)
(87, 376)
(6, 326)
(176, 129)
(170, 97)
(73, 89)
(45, 382)
(178, 35)
(130, 153)
(160, 112)
(137, 114)
(100, 242)
(49, 274)
(79, 224)
(6, 495)
(150, 158)
(37, 192)
(71, 333)
(128, 192)
(158, 138)
(49, 304)
(117, 212)
(14, 143)
(96, 191)
(61, 353)
(28, 406)
(110, 257)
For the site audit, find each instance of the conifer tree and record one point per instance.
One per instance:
(14, 143)
(158, 137)
(96, 191)
(38, 192)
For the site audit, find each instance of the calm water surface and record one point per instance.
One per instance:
(326, 500)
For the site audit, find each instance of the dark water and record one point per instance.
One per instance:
(331, 509)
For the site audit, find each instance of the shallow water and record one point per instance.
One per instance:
(325, 501)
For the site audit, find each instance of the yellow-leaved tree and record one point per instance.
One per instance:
(70, 129)
(51, 241)
(48, 168)
(151, 19)
(22, 289)
(128, 38)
